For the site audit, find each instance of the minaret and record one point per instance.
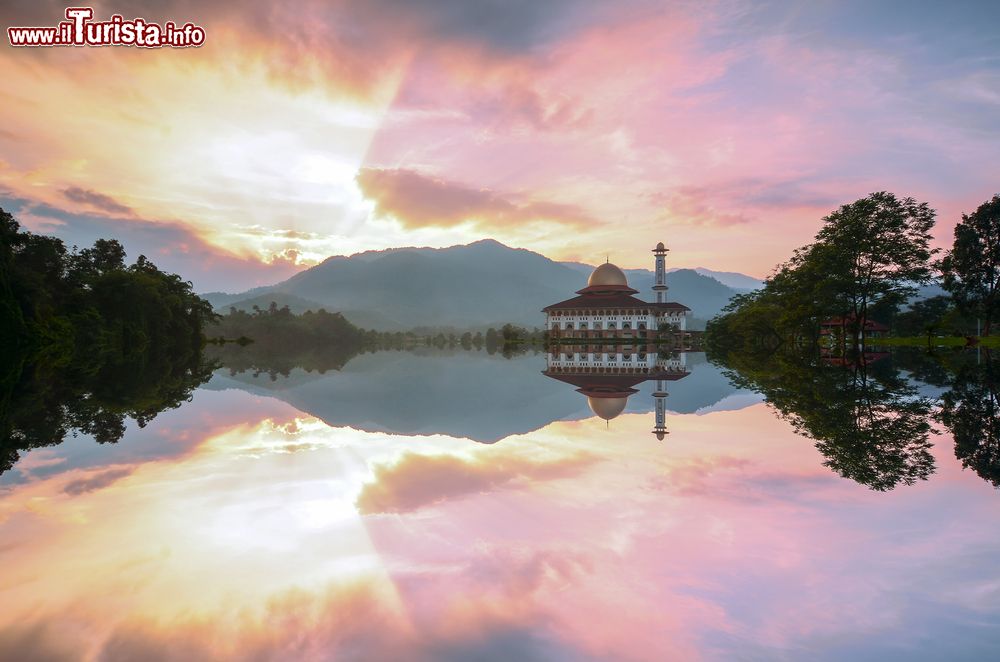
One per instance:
(660, 284)
(660, 399)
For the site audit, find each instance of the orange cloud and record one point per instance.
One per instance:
(416, 480)
(95, 482)
(417, 200)
(96, 201)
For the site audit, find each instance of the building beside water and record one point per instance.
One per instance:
(608, 308)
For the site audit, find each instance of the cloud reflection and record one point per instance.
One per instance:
(416, 480)
(576, 541)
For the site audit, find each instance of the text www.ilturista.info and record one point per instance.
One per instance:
(79, 30)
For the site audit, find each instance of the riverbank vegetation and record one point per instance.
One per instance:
(863, 269)
(88, 307)
(89, 341)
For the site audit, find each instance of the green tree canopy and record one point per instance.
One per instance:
(971, 269)
(869, 255)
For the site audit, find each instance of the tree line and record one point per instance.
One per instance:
(88, 341)
(87, 306)
(867, 261)
(274, 340)
(493, 340)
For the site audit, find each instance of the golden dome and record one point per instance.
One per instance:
(607, 408)
(607, 274)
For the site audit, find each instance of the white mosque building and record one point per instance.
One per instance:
(606, 308)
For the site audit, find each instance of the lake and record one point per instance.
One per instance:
(457, 505)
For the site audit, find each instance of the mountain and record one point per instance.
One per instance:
(470, 286)
(733, 279)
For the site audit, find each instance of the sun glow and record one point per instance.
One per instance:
(222, 146)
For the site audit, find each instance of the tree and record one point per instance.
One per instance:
(511, 333)
(876, 247)
(12, 327)
(925, 317)
(971, 269)
(868, 257)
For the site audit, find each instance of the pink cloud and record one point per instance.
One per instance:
(416, 480)
(418, 200)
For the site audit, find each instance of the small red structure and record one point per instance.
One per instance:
(841, 326)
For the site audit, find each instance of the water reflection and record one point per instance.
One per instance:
(970, 410)
(353, 515)
(872, 414)
(43, 401)
(866, 417)
(473, 395)
(606, 376)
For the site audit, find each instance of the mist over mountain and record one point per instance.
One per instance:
(733, 279)
(470, 286)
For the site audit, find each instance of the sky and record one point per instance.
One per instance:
(579, 129)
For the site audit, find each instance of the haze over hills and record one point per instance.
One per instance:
(470, 286)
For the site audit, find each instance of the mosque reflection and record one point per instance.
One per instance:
(608, 374)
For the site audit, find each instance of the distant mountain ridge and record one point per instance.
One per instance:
(481, 284)
(732, 279)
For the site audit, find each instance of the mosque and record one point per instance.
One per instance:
(607, 376)
(606, 308)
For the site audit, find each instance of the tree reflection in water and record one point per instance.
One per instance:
(41, 403)
(866, 418)
(971, 412)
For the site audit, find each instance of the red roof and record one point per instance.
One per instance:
(870, 325)
(865, 359)
(626, 301)
(615, 383)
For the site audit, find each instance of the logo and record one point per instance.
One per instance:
(80, 30)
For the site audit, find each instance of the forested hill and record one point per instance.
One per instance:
(476, 285)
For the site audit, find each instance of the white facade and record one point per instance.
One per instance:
(615, 358)
(597, 320)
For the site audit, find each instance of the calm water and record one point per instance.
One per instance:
(461, 506)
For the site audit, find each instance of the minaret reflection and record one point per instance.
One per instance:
(660, 402)
(607, 375)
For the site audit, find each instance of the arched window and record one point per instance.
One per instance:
(626, 326)
(611, 326)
